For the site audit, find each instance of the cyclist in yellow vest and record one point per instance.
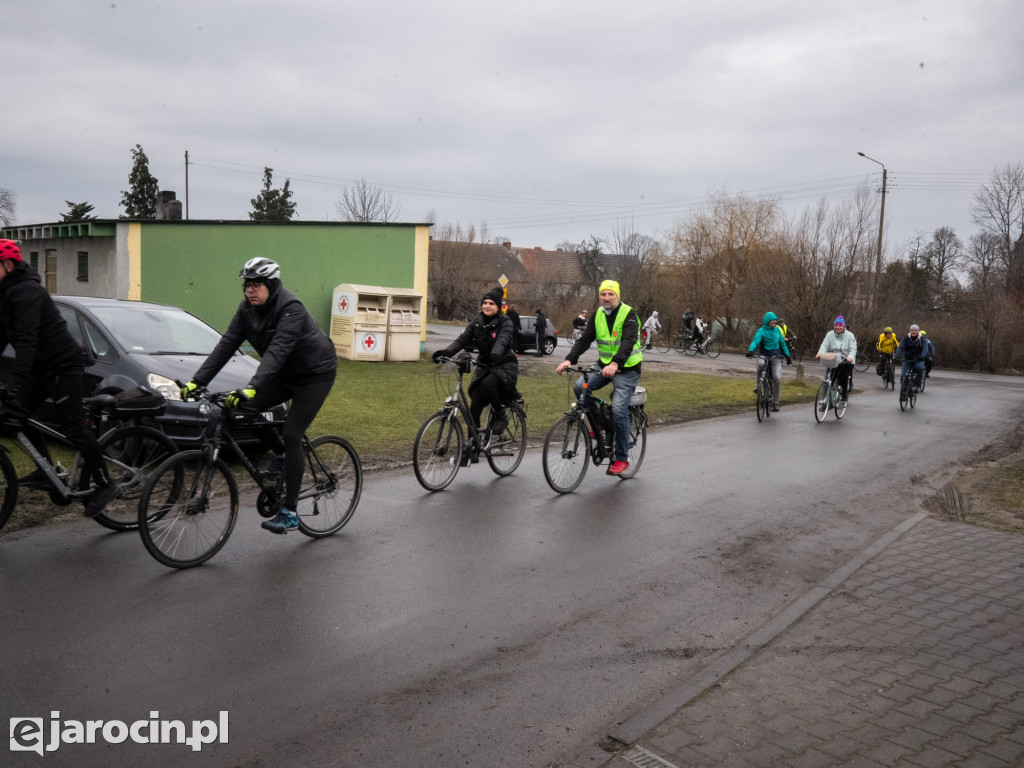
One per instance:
(616, 329)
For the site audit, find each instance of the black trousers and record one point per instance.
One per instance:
(65, 389)
(307, 399)
(487, 390)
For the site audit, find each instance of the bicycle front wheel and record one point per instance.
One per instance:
(8, 488)
(437, 452)
(862, 363)
(330, 488)
(762, 401)
(507, 449)
(188, 508)
(132, 454)
(690, 348)
(566, 453)
(822, 402)
(662, 342)
(713, 349)
(637, 441)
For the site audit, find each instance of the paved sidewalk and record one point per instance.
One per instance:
(912, 655)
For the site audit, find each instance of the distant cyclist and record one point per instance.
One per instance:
(842, 342)
(912, 351)
(297, 363)
(929, 357)
(886, 346)
(770, 343)
(651, 326)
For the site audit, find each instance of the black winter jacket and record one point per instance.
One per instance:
(292, 348)
(492, 338)
(29, 320)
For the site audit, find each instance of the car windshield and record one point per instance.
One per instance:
(158, 330)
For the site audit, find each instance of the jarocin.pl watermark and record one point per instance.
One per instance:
(28, 733)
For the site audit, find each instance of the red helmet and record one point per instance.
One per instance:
(9, 250)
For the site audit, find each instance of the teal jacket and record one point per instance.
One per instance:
(769, 339)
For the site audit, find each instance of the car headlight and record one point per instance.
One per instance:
(167, 387)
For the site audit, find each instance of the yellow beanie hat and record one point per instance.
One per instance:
(610, 285)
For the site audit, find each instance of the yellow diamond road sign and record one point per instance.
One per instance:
(502, 281)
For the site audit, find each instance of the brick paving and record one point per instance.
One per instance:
(915, 658)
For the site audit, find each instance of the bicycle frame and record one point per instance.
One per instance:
(579, 410)
(457, 404)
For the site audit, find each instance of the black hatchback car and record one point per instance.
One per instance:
(528, 336)
(128, 343)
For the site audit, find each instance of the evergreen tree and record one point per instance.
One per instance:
(272, 204)
(77, 212)
(139, 202)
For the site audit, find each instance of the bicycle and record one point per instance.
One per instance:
(441, 449)
(888, 373)
(576, 335)
(828, 393)
(131, 453)
(908, 392)
(571, 445)
(707, 347)
(190, 504)
(765, 388)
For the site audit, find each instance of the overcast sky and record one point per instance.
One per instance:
(546, 120)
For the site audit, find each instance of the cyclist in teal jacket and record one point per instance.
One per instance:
(769, 342)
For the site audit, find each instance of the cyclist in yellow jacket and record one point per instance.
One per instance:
(886, 346)
(616, 329)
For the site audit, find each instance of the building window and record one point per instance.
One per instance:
(33, 260)
(83, 266)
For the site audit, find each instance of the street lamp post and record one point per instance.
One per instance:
(881, 225)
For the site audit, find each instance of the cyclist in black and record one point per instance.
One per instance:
(297, 363)
(494, 382)
(48, 362)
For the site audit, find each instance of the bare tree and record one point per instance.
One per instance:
(984, 262)
(944, 254)
(7, 207)
(998, 208)
(450, 269)
(638, 258)
(367, 202)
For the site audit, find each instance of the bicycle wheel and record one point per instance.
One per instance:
(8, 488)
(566, 453)
(822, 402)
(904, 393)
(690, 347)
(507, 449)
(132, 454)
(662, 342)
(637, 441)
(188, 508)
(924, 382)
(331, 486)
(713, 349)
(762, 401)
(840, 407)
(912, 396)
(437, 452)
(862, 363)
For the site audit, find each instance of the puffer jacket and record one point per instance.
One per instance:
(492, 338)
(292, 348)
(769, 339)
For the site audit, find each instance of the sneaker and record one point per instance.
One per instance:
(498, 424)
(101, 496)
(36, 479)
(617, 467)
(282, 522)
(775, 409)
(275, 468)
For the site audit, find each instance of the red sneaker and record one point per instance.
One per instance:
(617, 468)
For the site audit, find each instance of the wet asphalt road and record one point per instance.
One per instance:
(494, 623)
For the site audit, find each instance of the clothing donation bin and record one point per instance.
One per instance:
(405, 324)
(359, 321)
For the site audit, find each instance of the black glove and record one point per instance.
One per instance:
(436, 357)
(789, 360)
(750, 354)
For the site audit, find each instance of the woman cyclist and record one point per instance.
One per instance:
(495, 379)
(843, 342)
(770, 343)
(297, 363)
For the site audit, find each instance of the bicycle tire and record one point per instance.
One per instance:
(924, 382)
(664, 343)
(331, 486)
(637, 441)
(435, 460)
(903, 393)
(762, 402)
(188, 509)
(912, 398)
(690, 348)
(840, 408)
(132, 454)
(506, 451)
(9, 491)
(566, 453)
(862, 363)
(822, 402)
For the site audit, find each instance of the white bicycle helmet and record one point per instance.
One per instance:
(260, 268)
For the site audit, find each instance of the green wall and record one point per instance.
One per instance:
(195, 265)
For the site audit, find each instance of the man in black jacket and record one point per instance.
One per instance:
(48, 362)
(297, 363)
(542, 330)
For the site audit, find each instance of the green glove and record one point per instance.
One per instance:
(240, 396)
(188, 390)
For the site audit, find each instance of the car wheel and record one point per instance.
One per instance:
(549, 346)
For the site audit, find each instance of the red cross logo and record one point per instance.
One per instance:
(370, 342)
(343, 303)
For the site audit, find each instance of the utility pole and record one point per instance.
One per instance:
(186, 184)
(881, 226)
